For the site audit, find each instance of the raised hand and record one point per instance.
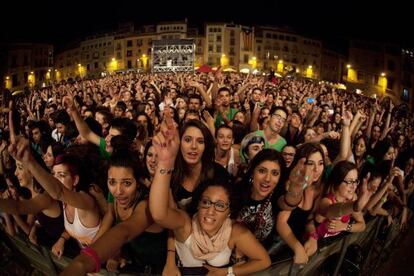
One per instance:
(167, 142)
(19, 147)
(300, 177)
(364, 193)
(347, 118)
(68, 102)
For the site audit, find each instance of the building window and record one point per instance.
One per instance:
(129, 43)
(118, 46)
(129, 64)
(231, 61)
(95, 65)
(232, 33)
(218, 38)
(118, 55)
(210, 48)
(139, 42)
(88, 67)
(232, 41)
(218, 49)
(268, 35)
(129, 53)
(25, 61)
(246, 59)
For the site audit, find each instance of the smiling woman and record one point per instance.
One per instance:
(208, 237)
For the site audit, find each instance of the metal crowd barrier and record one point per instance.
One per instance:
(375, 250)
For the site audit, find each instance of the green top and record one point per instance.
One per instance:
(280, 143)
(102, 149)
(230, 116)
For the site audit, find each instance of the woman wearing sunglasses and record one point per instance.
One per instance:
(207, 238)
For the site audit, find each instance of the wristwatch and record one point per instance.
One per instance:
(230, 271)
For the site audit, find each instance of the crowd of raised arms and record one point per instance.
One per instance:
(203, 173)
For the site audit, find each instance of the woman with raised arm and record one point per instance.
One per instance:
(145, 242)
(298, 201)
(81, 213)
(207, 238)
(45, 209)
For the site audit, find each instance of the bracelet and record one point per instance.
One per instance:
(291, 205)
(166, 171)
(90, 252)
(62, 237)
(349, 227)
(170, 250)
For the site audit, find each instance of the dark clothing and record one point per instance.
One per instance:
(51, 228)
(184, 197)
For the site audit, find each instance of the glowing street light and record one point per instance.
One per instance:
(224, 61)
(279, 67)
(309, 72)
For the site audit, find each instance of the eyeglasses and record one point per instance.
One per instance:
(351, 182)
(219, 206)
(279, 117)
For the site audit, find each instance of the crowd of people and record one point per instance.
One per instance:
(198, 173)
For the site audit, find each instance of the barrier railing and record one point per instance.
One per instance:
(375, 249)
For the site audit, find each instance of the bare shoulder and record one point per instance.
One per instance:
(238, 230)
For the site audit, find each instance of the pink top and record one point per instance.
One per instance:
(322, 229)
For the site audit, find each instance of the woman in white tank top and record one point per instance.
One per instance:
(81, 212)
(208, 238)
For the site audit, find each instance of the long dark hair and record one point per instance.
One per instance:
(355, 144)
(181, 169)
(306, 150)
(145, 171)
(338, 174)
(259, 158)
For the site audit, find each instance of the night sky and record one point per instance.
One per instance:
(334, 22)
